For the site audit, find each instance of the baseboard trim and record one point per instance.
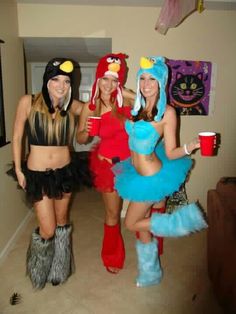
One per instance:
(11, 242)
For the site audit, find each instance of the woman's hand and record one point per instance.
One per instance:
(21, 179)
(83, 135)
(84, 126)
(87, 127)
(191, 146)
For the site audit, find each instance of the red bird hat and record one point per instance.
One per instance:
(111, 64)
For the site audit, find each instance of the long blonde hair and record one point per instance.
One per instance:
(55, 129)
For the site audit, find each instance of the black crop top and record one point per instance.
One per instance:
(41, 139)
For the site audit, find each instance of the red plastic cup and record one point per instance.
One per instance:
(95, 125)
(207, 143)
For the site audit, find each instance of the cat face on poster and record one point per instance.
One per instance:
(189, 86)
(187, 92)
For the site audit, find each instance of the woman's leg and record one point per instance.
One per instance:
(113, 206)
(136, 218)
(41, 249)
(62, 209)
(183, 221)
(45, 213)
(159, 208)
(61, 267)
(113, 251)
(149, 270)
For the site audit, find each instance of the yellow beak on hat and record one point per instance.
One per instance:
(146, 63)
(67, 66)
(114, 67)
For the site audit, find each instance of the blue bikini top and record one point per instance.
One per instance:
(143, 137)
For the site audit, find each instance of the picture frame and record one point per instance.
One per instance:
(191, 86)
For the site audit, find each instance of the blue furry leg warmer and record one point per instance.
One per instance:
(39, 259)
(62, 262)
(150, 272)
(183, 221)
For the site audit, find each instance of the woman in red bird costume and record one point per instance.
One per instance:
(112, 102)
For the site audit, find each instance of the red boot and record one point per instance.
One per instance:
(113, 250)
(159, 239)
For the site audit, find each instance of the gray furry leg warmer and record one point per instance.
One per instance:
(39, 259)
(61, 267)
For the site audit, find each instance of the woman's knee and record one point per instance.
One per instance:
(113, 213)
(129, 225)
(62, 209)
(47, 232)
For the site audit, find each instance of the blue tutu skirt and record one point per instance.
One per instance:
(132, 186)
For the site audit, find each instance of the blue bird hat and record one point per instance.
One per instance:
(157, 68)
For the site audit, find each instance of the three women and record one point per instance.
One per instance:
(155, 170)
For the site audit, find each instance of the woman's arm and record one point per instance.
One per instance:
(128, 96)
(128, 93)
(170, 127)
(22, 112)
(76, 107)
(82, 134)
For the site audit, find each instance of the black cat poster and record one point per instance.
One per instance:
(191, 86)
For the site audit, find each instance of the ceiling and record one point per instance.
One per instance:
(209, 4)
(82, 50)
(89, 50)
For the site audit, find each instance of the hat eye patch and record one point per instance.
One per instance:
(153, 60)
(113, 60)
(56, 63)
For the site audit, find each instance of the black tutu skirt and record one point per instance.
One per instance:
(55, 182)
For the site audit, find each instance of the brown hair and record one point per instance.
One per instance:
(99, 102)
(144, 115)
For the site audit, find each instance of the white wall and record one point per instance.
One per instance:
(13, 211)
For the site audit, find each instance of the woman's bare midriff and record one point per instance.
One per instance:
(48, 157)
(146, 165)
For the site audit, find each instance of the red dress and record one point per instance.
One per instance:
(113, 145)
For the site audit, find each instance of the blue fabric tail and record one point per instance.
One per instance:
(150, 272)
(183, 221)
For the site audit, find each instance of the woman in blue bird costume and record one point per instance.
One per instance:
(157, 168)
